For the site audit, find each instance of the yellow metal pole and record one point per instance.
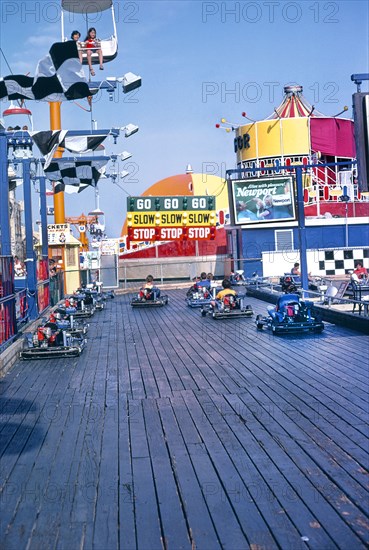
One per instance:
(55, 124)
(83, 234)
(59, 207)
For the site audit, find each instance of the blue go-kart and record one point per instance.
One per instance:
(199, 296)
(290, 315)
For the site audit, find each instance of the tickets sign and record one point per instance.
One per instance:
(171, 233)
(58, 233)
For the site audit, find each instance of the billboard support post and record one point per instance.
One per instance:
(30, 254)
(301, 227)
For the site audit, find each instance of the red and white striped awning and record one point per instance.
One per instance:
(294, 105)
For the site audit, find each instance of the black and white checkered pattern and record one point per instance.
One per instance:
(58, 77)
(75, 175)
(341, 261)
(48, 141)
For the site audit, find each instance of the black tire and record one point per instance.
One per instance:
(203, 313)
(259, 326)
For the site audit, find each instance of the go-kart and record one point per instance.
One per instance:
(76, 307)
(69, 323)
(289, 283)
(49, 341)
(105, 294)
(257, 281)
(89, 297)
(290, 315)
(229, 306)
(149, 297)
(199, 296)
(95, 290)
(237, 278)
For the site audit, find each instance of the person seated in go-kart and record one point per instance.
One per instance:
(288, 284)
(71, 305)
(50, 332)
(227, 296)
(202, 283)
(236, 277)
(149, 291)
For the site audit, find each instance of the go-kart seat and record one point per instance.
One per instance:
(292, 309)
(149, 293)
(55, 330)
(287, 305)
(203, 284)
(230, 301)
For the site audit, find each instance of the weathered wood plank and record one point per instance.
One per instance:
(308, 481)
(200, 525)
(177, 431)
(170, 506)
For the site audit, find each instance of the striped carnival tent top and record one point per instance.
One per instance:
(294, 105)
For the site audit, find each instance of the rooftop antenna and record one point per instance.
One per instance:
(358, 79)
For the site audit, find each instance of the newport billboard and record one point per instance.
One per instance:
(263, 200)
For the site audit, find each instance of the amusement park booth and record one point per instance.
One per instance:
(62, 244)
(335, 209)
(297, 134)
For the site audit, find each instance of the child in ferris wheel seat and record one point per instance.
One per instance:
(93, 43)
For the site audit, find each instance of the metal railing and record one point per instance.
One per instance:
(8, 326)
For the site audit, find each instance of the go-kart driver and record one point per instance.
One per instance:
(148, 291)
(202, 282)
(226, 291)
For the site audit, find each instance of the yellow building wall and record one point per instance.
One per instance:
(72, 273)
(275, 138)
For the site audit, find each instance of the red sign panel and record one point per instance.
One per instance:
(172, 233)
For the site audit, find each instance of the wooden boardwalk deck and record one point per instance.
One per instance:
(176, 431)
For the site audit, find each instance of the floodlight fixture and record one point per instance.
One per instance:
(125, 155)
(130, 129)
(130, 82)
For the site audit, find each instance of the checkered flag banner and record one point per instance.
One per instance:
(58, 77)
(76, 175)
(48, 141)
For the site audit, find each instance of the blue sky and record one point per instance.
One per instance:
(199, 61)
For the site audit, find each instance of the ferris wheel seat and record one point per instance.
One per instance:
(109, 47)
